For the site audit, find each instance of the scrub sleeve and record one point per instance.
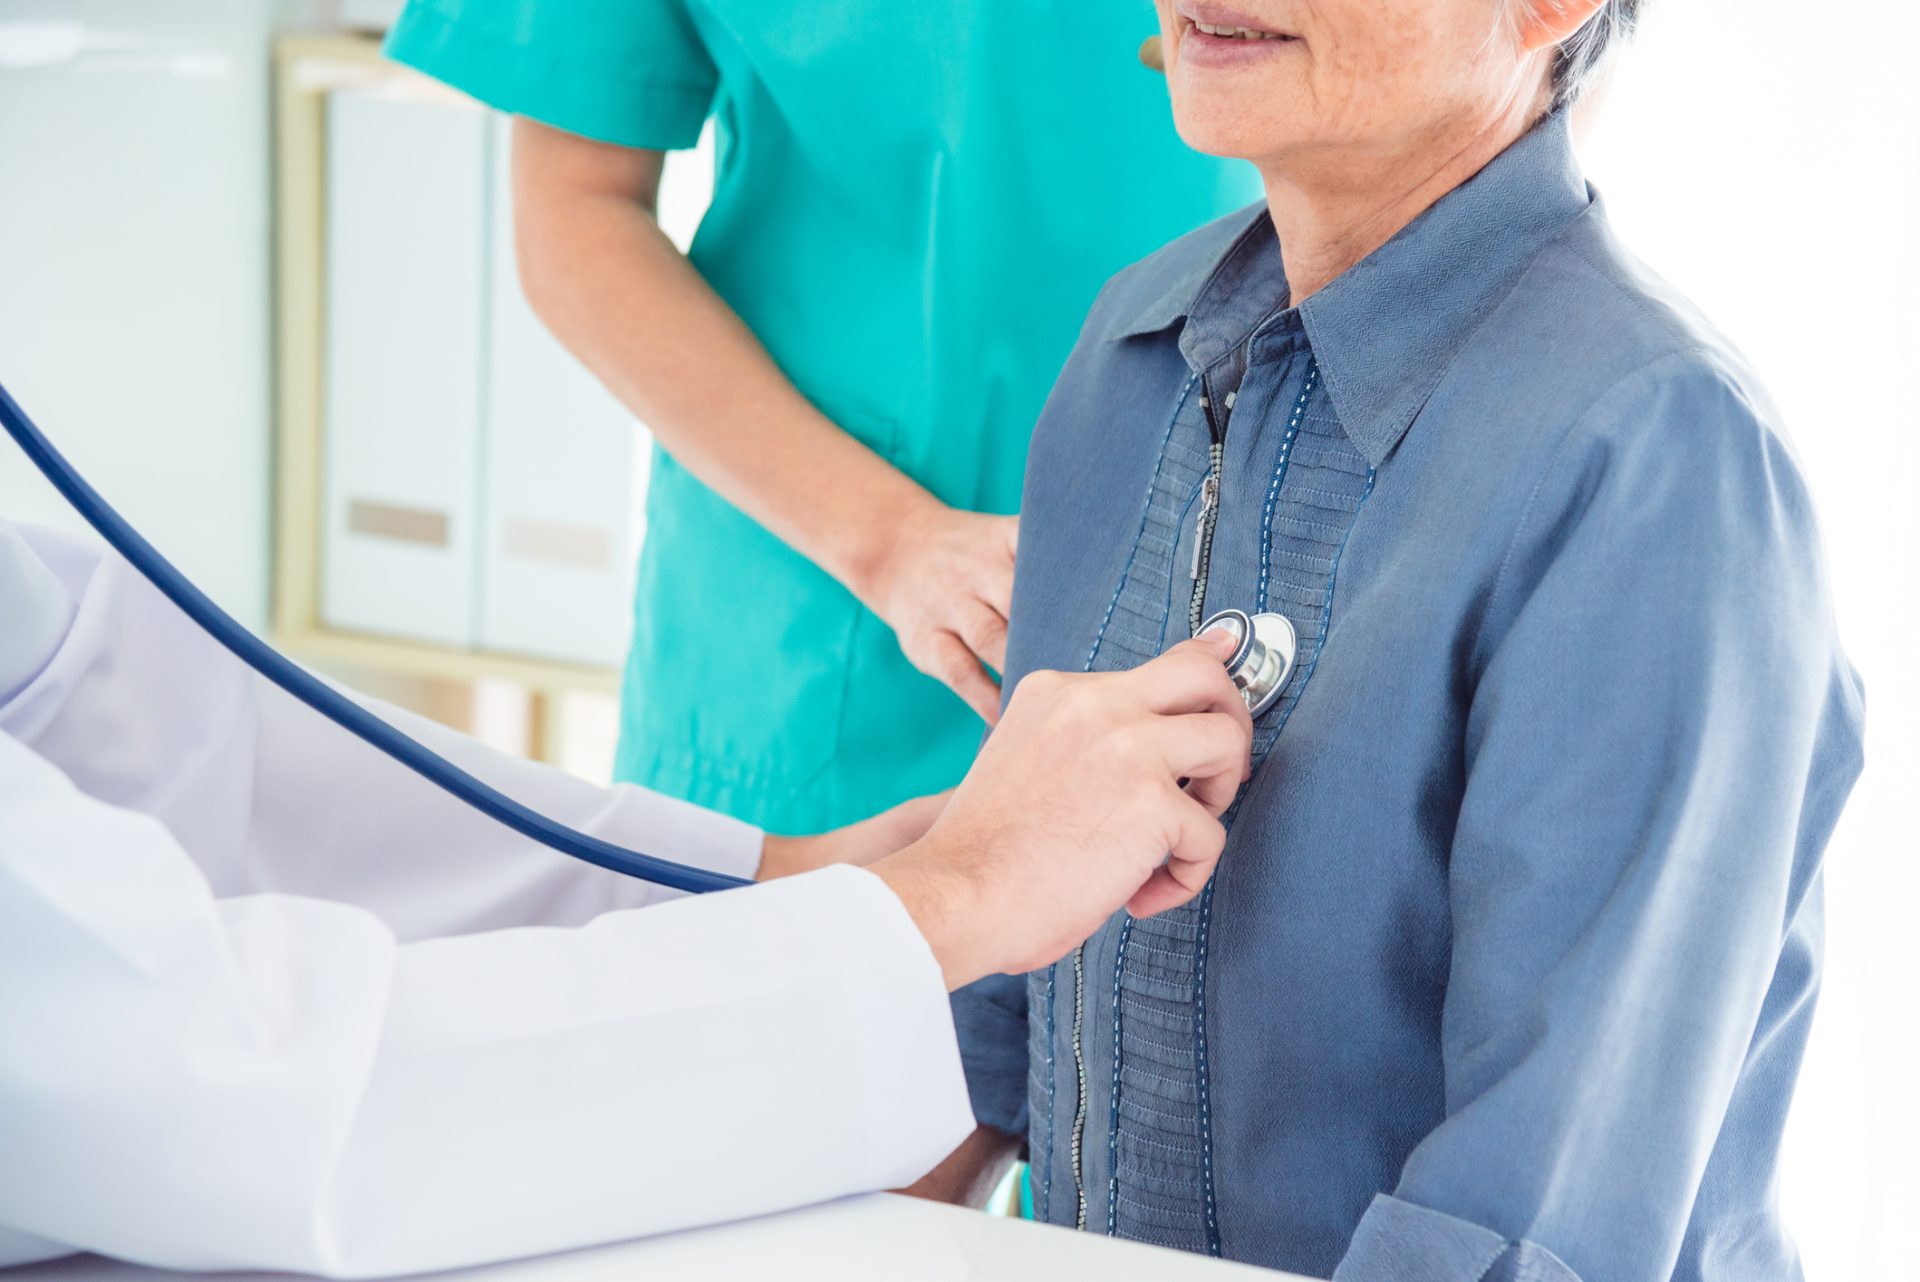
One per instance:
(632, 72)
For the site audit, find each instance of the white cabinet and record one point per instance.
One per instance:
(482, 490)
(368, 15)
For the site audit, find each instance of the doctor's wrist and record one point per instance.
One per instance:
(942, 903)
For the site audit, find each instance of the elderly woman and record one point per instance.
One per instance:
(1509, 965)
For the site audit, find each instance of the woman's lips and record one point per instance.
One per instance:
(1228, 31)
(1220, 38)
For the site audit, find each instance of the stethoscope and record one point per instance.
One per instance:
(1263, 657)
(1262, 660)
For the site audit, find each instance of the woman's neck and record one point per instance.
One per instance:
(1334, 210)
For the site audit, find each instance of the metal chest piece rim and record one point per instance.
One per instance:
(1262, 658)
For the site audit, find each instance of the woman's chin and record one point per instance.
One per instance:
(1227, 133)
(1242, 120)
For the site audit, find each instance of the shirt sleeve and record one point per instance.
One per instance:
(275, 1082)
(1661, 733)
(632, 72)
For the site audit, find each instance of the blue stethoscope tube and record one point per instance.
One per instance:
(322, 698)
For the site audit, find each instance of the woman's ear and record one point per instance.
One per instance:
(1541, 24)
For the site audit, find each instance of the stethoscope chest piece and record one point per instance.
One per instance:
(1262, 658)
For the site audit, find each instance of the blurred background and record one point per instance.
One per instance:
(219, 220)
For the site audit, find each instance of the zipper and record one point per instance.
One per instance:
(1209, 515)
(1207, 518)
(1080, 1092)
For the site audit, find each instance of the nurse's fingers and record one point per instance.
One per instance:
(1210, 750)
(1195, 850)
(1001, 590)
(986, 636)
(996, 586)
(953, 663)
(998, 595)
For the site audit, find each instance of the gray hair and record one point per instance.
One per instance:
(1581, 57)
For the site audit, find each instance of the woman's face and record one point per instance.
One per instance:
(1340, 75)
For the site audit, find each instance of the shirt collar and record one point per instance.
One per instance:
(1386, 329)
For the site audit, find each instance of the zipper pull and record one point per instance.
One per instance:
(1209, 500)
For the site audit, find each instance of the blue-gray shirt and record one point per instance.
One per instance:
(1508, 967)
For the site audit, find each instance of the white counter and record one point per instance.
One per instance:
(877, 1238)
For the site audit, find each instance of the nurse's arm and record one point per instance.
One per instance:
(1660, 736)
(598, 269)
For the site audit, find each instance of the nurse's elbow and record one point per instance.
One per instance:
(543, 252)
(550, 233)
(539, 262)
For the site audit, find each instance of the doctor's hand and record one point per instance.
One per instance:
(1075, 807)
(944, 585)
(857, 843)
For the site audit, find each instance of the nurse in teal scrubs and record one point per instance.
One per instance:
(916, 202)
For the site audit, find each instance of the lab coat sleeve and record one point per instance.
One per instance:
(140, 708)
(275, 1082)
(1658, 707)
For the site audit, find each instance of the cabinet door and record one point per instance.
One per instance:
(562, 483)
(406, 305)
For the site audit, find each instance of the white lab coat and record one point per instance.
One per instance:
(269, 1001)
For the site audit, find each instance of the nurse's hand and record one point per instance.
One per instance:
(944, 585)
(1076, 807)
(858, 843)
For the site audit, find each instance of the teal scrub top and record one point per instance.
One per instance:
(915, 203)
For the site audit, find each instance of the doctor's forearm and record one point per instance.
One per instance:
(608, 282)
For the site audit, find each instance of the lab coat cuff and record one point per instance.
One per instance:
(1398, 1240)
(908, 1059)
